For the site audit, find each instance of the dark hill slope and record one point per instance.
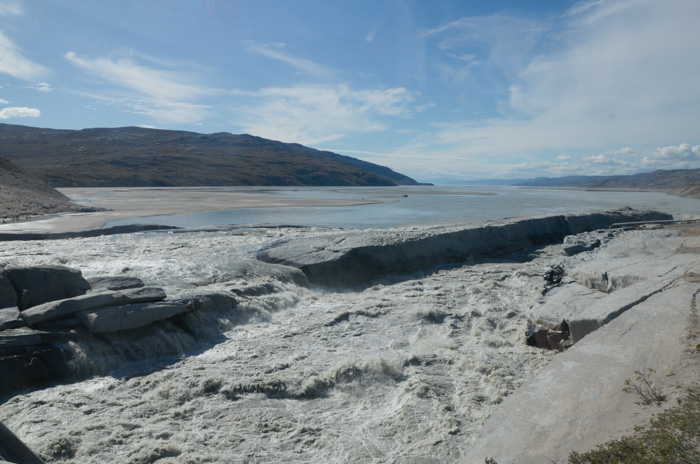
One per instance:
(21, 195)
(133, 156)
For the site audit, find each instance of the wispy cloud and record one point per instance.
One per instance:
(277, 52)
(19, 112)
(166, 92)
(14, 63)
(11, 8)
(311, 114)
(44, 87)
(611, 73)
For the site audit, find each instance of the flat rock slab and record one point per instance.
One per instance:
(619, 275)
(99, 284)
(129, 317)
(37, 285)
(587, 310)
(10, 319)
(26, 337)
(62, 309)
(576, 402)
(352, 258)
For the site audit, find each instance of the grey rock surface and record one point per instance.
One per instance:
(26, 337)
(10, 318)
(62, 309)
(359, 258)
(129, 317)
(98, 284)
(37, 285)
(577, 401)
(640, 322)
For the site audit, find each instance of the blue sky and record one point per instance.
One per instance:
(442, 91)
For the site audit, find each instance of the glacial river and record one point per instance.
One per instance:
(406, 370)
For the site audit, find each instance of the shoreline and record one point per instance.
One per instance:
(129, 202)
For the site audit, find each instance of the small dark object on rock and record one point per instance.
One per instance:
(552, 277)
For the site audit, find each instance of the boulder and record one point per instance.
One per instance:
(114, 283)
(8, 295)
(24, 337)
(10, 318)
(129, 317)
(37, 285)
(62, 309)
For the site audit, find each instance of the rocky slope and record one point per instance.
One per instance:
(662, 180)
(21, 195)
(138, 157)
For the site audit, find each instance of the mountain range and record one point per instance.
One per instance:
(140, 157)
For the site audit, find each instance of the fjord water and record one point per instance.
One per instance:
(424, 205)
(405, 370)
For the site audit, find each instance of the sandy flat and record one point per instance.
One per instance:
(134, 202)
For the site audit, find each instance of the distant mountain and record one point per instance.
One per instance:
(135, 157)
(662, 180)
(21, 195)
(680, 182)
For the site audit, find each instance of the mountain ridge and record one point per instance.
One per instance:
(141, 157)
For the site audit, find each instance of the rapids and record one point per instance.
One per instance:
(405, 370)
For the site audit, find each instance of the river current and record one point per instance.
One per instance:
(406, 370)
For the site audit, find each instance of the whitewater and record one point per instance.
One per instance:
(406, 369)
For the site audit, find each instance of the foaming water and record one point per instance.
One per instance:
(406, 370)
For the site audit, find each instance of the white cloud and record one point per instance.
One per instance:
(19, 112)
(12, 62)
(10, 8)
(4, 102)
(681, 157)
(607, 74)
(562, 158)
(303, 65)
(164, 93)
(41, 87)
(313, 114)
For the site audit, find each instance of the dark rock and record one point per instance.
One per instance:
(114, 283)
(129, 317)
(8, 295)
(37, 285)
(62, 309)
(553, 277)
(25, 337)
(550, 335)
(10, 318)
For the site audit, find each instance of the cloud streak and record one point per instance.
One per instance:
(609, 73)
(167, 94)
(15, 64)
(312, 114)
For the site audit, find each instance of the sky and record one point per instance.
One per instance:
(444, 91)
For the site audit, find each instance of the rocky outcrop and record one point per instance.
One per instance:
(630, 306)
(49, 306)
(37, 285)
(357, 259)
(63, 309)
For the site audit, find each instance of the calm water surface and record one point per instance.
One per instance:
(421, 205)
